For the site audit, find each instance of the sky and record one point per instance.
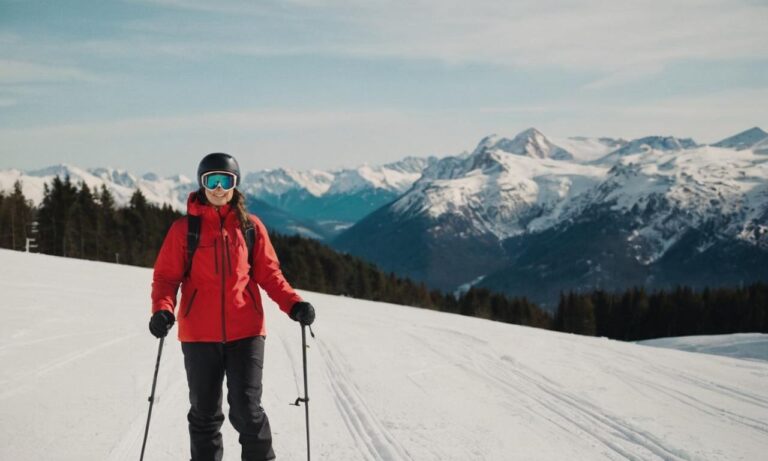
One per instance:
(153, 85)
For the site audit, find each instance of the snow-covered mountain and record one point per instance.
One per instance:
(474, 215)
(753, 138)
(281, 181)
(394, 177)
(496, 192)
(667, 193)
(386, 382)
(172, 191)
(531, 143)
(336, 198)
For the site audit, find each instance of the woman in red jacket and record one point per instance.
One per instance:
(220, 316)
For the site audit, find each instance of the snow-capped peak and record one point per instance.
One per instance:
(748, 139)
(530, 143)
(61, 170)
(121, 177)
(501, 187)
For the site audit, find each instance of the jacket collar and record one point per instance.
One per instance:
(196, 208)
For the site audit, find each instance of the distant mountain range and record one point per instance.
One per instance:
(529, 215)
(335, 200)
(315, 204)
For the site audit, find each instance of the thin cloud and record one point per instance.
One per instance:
(267, 120)
(625, 76)
(16, 72)
(579, 35)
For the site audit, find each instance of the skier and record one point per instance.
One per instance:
(219, 255)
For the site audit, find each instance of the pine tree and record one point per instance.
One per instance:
(16, 216)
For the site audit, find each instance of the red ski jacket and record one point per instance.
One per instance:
(220, 302)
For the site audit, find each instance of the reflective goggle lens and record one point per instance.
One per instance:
(226, 180)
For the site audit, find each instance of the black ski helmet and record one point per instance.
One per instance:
(218, 161)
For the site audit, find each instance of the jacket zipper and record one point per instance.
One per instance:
(229, 261)
(223, 288)
(189, 304)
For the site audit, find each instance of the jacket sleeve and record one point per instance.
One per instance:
(267, 273)
(169, 267)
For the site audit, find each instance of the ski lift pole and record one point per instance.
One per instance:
(305, 399)
(152, 396)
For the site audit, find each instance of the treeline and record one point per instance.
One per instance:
(313, 266)
(16, 217)
(74, 221)
(635, 314)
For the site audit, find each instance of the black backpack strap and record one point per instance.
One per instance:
(193, 238)
(250, 241)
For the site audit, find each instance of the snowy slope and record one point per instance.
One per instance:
(744, 345)
(584, 149)
(667, 193)
(386, 383)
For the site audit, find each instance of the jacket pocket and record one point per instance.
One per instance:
(189, 304)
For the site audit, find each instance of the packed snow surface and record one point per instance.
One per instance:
(387, 382)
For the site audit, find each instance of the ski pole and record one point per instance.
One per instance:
(152, 397)
(306, 387)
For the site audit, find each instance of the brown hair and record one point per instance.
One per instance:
(237, 203)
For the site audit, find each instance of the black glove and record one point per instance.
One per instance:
(160, 323)
(303, 312)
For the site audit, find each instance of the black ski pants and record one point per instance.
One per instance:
(242, 362)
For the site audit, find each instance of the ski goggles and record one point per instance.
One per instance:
(214, 179)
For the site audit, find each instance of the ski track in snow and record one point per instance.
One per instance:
(387, 383)
(361, 421)
(565, 411)
(571, 413)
